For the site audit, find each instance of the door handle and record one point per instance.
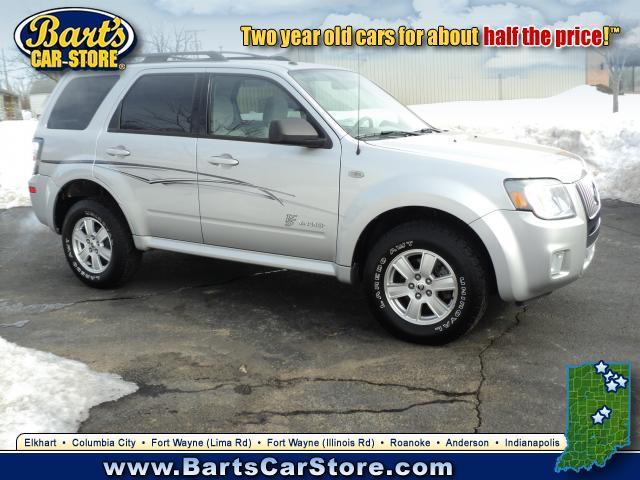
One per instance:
(224, 159)
(118, 151)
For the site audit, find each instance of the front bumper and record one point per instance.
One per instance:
(531, 256)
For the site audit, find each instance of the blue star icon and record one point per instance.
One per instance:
(597, 418)
(608, 375)
(611, 386)
(621, 381)
(605, 411)
(601, 367)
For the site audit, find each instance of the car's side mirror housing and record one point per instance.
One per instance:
(295, 131)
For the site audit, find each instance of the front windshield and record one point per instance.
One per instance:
(380, 114)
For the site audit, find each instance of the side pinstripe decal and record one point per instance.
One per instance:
(214, 181)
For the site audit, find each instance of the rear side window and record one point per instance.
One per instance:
(79, 101)
(159, 103)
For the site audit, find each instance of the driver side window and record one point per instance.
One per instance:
(244, 107)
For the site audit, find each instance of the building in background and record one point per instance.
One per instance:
(598, 74)
(432, 75)
(39, 92)
(9, 105)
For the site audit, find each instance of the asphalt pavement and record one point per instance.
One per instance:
(218, 346)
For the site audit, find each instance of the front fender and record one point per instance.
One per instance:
(461, 200)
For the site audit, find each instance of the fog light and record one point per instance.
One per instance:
(559, 263)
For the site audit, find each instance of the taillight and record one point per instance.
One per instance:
(32, 189)
(36, 146)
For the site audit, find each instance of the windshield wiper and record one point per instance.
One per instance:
(386, 133)
(427, 130)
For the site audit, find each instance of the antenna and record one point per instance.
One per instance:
(358, 116)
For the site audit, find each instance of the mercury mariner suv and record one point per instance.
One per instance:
(312, 168)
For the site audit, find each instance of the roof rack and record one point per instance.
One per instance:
(231, 55)
(195, 56)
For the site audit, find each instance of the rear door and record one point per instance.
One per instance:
(148, 154)
(259, 196)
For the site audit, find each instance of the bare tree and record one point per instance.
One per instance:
(17, 76)
(22, 86)
(19, 70)
(617, 56)
(615, 59)
(161, 41)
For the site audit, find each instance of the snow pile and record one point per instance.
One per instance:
(43, 393)
(578, 120)
(16, 162)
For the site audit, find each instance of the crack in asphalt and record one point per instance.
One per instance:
(483, 377)
(264, 415)
(281, 382)
(155, 390)
(261, 417)
(18, 324)
(62, 306)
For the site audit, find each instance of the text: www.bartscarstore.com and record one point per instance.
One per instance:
(269, 466)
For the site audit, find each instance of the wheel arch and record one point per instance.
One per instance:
(79, 189)
(397, 216)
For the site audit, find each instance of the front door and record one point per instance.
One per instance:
(259, 196)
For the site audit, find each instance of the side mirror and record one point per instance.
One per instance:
(295, 131)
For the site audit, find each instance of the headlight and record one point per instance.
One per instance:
(547, 198)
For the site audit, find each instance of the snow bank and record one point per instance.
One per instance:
(43, 393)
(16, 162)
(578, 120)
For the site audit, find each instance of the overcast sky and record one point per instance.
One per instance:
(217, 21)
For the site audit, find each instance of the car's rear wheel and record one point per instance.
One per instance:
(426, 282)
(98, 244)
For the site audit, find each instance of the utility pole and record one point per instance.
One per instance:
(195, 41)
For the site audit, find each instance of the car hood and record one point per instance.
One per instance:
(514, 159)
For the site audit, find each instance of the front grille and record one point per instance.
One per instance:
(591, 202)
(589, 196)
(593, 230)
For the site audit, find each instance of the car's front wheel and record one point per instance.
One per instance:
(98, 244)
(426, 282)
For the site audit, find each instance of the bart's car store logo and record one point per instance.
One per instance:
(77, 38)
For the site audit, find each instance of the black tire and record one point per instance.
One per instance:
(462, 256)
(125, 258)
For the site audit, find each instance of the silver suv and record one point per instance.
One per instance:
(306, 167)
